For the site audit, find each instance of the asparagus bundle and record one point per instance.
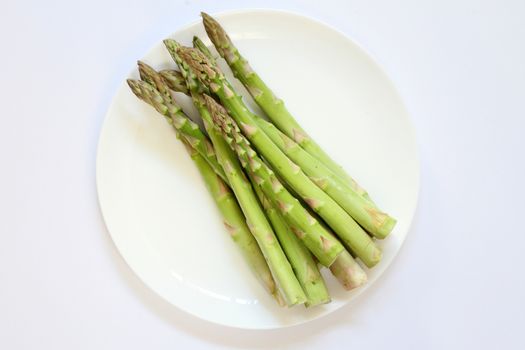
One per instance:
(346, 270)
(174, 115)
(344, 267)
(233, 218)
(287, 284)
(373, 220)
(300, 258)
(320, 242)
(362, 210)
(343, 225)
(279, 193)
(234, 221)
(316, 238)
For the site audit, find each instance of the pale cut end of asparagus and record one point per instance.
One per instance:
(348, 272)
(382, 221)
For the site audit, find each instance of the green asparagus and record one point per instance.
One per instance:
(343, 225)
(228, 206)
(259, 226)
(363, 211)
(234, 220)
(318, 240)
(300, 258)
(176, 117)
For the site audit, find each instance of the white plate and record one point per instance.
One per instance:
(155, 204)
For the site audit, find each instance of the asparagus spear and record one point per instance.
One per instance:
(281, 269)
(264, 97)
(300, 258)
(344, 226)
(318, 240)
(349, 198)
(234, 220)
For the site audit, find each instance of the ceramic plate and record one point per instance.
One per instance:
(156, 206)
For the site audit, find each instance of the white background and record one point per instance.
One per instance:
(458, 282)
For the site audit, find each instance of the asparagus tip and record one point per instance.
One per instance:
(171, 44)
(208, 20)
(152, 77)
(143, 71)
(134, 86)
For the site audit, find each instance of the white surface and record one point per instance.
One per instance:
(458, 281)
(160, 214)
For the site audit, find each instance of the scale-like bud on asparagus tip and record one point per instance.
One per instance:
(219, 116)
(174, 80)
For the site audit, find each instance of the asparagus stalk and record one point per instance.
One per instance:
(287, 282)
(300, 258)
(318, 240)
(348, 197)
(344, 226)
(233, 220)
(265, 98)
